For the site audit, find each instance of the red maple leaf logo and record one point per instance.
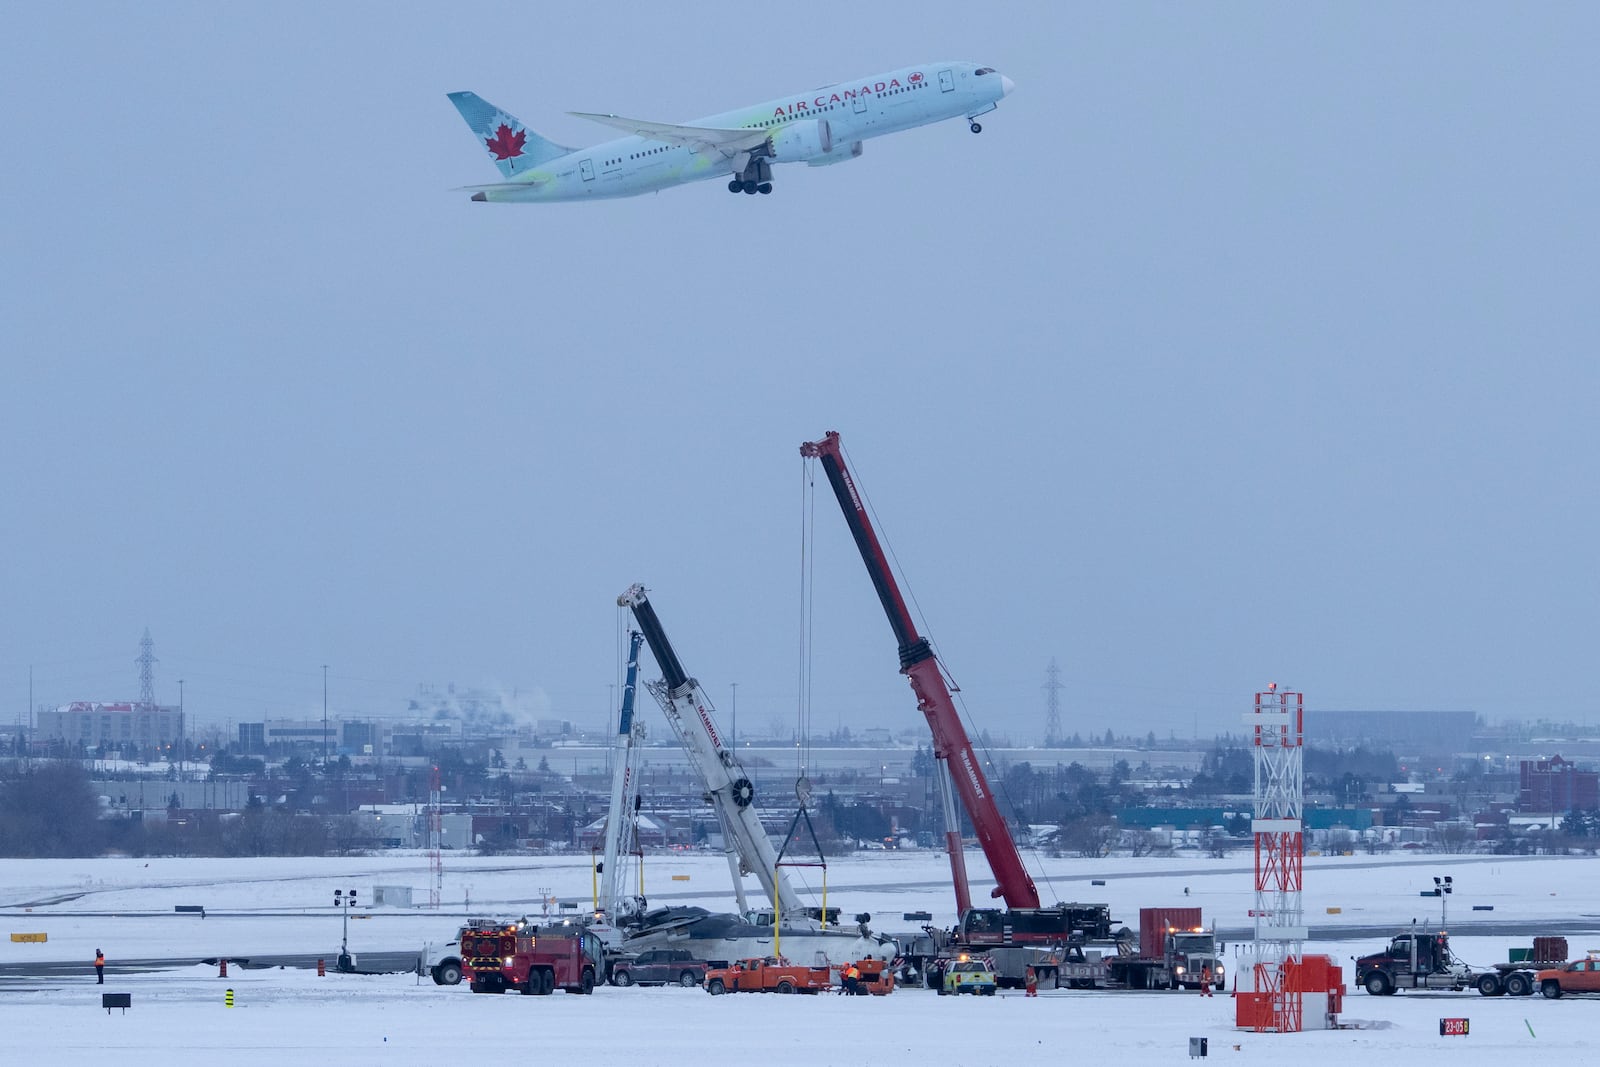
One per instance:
(916, 77)
(505, 144)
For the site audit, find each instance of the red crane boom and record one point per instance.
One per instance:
(917, 662)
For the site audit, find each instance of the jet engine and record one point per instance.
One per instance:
(838, 155)
(803, 140)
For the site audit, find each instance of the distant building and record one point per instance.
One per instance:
(1556, 785)
(1428, 732)
(253, 738)
(299, 733)
(93, 724)
(361, 738)
(423, 739)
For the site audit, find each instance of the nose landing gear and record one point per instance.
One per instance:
(977, 127)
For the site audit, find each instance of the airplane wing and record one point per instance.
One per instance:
(701, 138)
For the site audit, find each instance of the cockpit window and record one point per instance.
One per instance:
(984, 70)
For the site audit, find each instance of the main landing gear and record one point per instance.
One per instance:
(977, 127)
(755, 178)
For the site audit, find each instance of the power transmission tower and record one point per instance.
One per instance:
(147, 670)
(1052, 705)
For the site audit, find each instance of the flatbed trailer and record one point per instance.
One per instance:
(1519, 978)
(1092, 969)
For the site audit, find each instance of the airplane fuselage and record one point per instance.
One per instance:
(853, 112)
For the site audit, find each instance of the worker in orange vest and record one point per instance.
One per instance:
(99, 967)
(1205, 981)
(1031, 981)
(852, 980)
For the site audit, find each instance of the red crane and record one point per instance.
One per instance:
(951, 746)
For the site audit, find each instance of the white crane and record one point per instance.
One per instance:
(622, 819)
(687, 708)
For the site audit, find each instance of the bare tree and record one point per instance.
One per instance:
(1455, 836)
(1139, 842)
(1341, 841)
(50, 810)
(1090, 836)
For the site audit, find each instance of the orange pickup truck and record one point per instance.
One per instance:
(1579, 976)
(767, 974)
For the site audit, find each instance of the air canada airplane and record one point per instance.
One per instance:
(817, 128)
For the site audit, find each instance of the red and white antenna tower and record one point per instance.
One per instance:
(435, 842)
(1278, 725)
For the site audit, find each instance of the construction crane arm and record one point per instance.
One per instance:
(951, 745)
(622, 817)
(689, 712)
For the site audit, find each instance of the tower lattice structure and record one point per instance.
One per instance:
(1052, 704)
(1278, 726)
(435, 842)
(147, 670)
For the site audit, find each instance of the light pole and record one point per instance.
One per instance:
(181, 730)
(346, 963)
(324, 718)
(733, 712)
(1441, 889)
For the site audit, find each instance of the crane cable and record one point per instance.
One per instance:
(955, 690)
(807, 613)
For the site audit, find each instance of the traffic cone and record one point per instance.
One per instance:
(322, 969)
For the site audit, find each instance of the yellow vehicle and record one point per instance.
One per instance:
(968, 976)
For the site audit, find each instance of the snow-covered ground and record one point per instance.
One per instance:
(126, 906)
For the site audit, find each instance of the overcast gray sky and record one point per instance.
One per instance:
(1249, 342)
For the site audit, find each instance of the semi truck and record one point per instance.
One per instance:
(1420, 960)
(1415, 960)
(1174, 951)
(443, 962)
(533, 960)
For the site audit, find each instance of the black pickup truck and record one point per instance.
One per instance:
(660, 967)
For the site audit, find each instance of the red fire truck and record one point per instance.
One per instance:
(534, 960)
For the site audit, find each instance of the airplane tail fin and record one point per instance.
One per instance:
(513, 147)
